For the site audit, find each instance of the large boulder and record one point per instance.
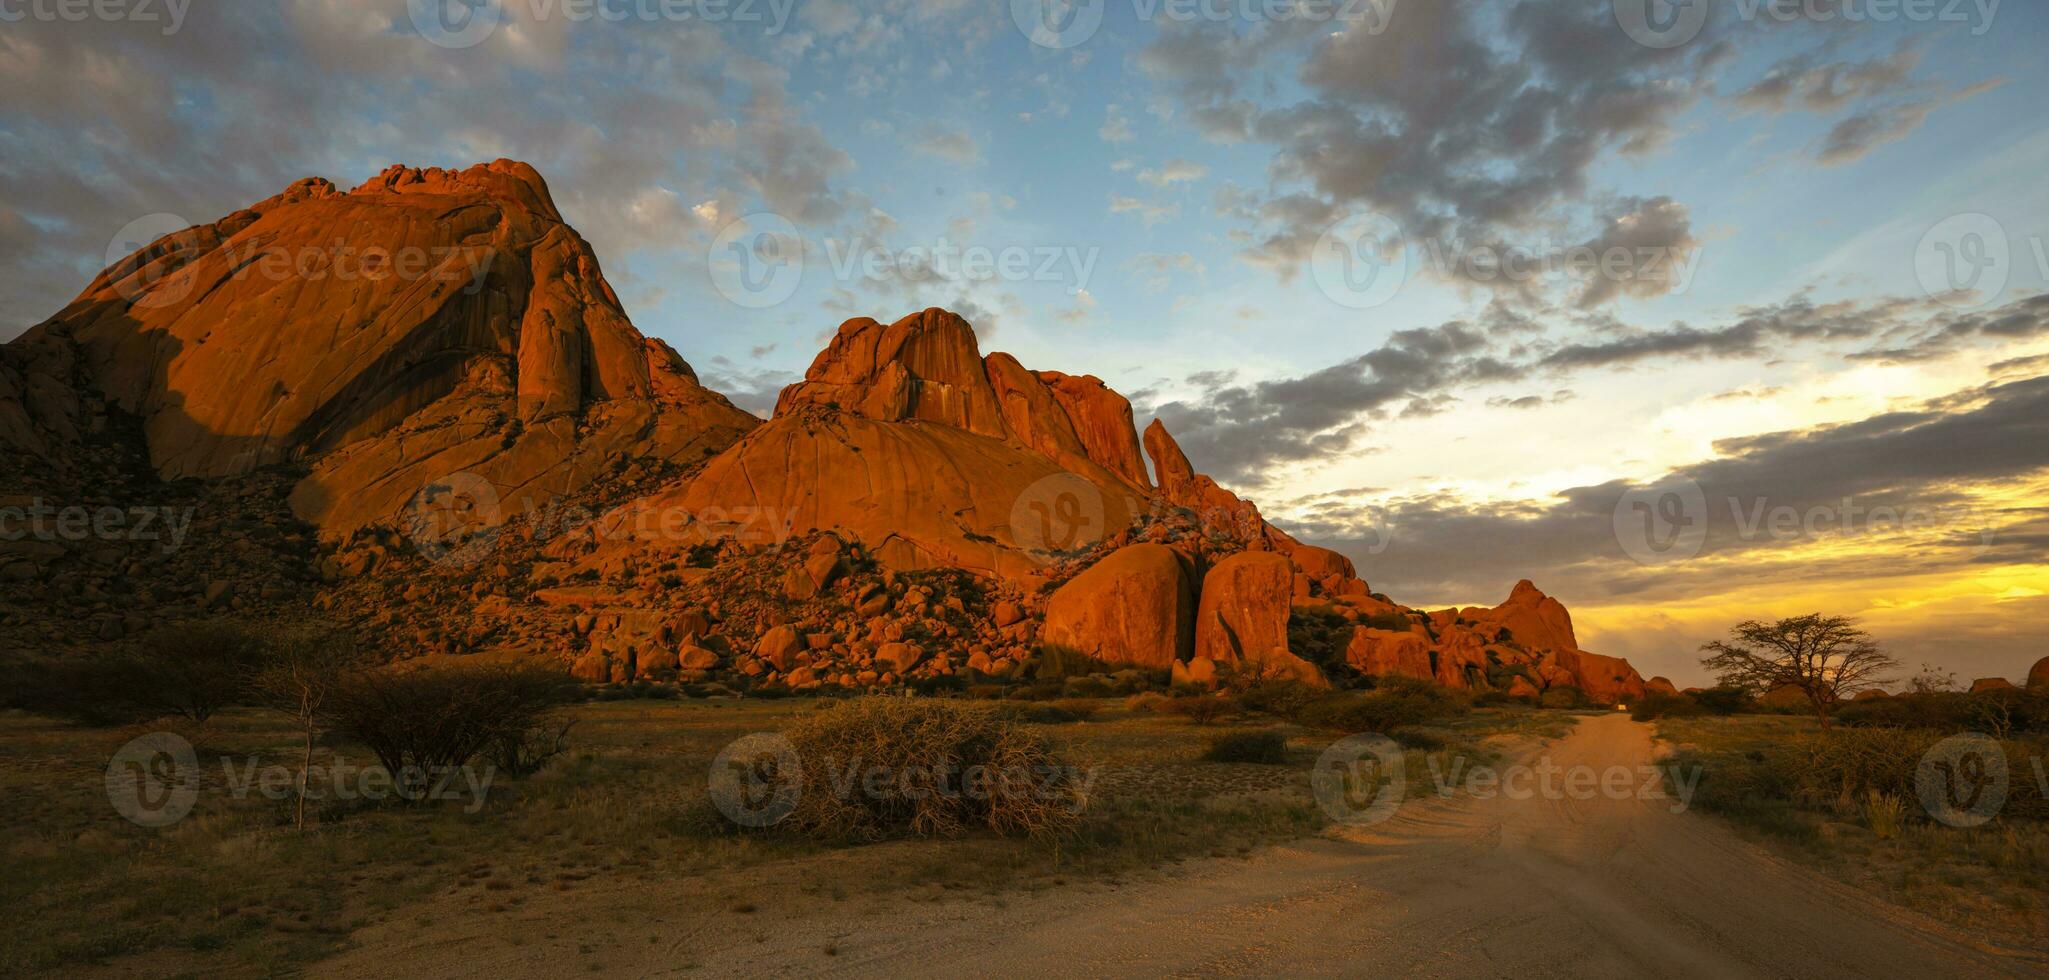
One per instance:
(1378, 652)
(1135, 606)
(1604, 680)
(1985, 684)
(1242, 619)
(2038, 678)
(1532, 618)
(1660, 685)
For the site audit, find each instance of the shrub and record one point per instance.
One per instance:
(1884, 813)
(530, 749)
(944, 767)
(1039, 714)
(1651, 707)
(423, 723)
(1391, 621)
(1265, 748)
(188, 670)
(1082, 709)
(1394, 703)
(1199, 708)
(1723, 700)
(1423, 739)
(1150, 701)
(1563, 696)
(1320, 636)
(1280, 698)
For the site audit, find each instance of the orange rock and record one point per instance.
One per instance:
(1102, 420)
(2038, 678)
(428, 324)
(1984, 684)
(1660, 685)
(1536, 620)
(1242, 618)
(1378, 652)
(925, 366)
(1135, 606)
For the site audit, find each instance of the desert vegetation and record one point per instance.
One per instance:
(592, 786)
(1847, 783)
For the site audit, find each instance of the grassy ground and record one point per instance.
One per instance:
(1993, 880)
(234, 889)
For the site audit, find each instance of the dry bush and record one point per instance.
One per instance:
(1266, 748)
(1652, 707)
(425, 722)
(186, 670)
(1396, 702)
(1199, 708)
(883, 767)
(530, 749)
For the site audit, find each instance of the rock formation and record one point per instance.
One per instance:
(427, 325)
(324, 363)
(1135, 606)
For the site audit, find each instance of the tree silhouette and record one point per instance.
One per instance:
(1826, 658)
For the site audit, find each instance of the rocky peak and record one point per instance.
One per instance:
(428, 323)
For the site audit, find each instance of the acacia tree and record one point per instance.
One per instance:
(1826, 658)
(302, 674)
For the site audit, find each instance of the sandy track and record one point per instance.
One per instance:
(1454, 887)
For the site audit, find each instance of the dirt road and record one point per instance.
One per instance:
(1454, 887)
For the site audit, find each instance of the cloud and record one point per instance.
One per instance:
(1116, 126)
(1175, 171)
(1149, 213)
(1242, 433)
(1655, 240)
(1801, 82)
(1856, 136)
(948, 143)
(1930, 491)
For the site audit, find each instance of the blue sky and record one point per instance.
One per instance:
(1803, 168)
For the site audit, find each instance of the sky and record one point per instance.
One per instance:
(1697, 314)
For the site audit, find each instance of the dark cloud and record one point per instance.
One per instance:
(106, 123)
(1902, 481)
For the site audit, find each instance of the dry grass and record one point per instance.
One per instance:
(233, 889)
(1845, 803)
